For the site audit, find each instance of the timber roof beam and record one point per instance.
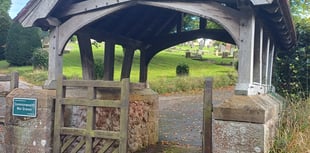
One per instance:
(100, 35)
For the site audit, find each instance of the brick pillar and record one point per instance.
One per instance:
(25, 134)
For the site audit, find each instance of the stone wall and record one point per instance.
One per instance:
(34, 135)
(2, 117)
(29, 135)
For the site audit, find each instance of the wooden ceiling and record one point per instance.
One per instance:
(142, 24)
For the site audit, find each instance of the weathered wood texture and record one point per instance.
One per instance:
(207, 117)
(127, 62)
(64, 137)
(13, 78)
(87, 58)
(109, 55)
(75, 23)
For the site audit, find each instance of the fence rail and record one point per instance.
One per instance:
(13, 79)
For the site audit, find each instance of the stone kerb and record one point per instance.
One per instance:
(25, 134)
(245, 124)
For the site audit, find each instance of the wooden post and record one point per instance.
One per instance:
(55, 61)
(267, 62)
(14, 80)
(180, 22)
(109, 55)
(256, 59)
(246, 52)
(207, 117)
(127, 62)
(87, 59)
(202, 23)
(143, 67)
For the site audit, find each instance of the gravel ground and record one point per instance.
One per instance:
(181, 116)
(180, 122)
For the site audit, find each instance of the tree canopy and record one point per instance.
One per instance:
(21, 43)
(5, 6)
(5, 23)
(292, 70)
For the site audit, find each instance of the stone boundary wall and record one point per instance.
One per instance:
(34, 135)
(30, 135)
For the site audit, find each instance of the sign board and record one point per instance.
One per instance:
(26, 107)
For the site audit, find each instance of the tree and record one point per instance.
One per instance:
(5, 5)
(5, 23)
(292, 76)
(21, 44)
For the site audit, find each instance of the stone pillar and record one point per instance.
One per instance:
(55, 61)
(25, 134)
(245, 124)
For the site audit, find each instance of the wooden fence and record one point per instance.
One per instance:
(64, 137)
(13, 79)
(207, 117)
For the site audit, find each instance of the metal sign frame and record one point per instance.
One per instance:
(28, 107)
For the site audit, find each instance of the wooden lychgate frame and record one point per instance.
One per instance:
(66, 136)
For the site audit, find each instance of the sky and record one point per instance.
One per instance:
(16, 6)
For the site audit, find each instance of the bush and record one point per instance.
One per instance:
(98, 68)
(21, 43)
(291, 73)
(40, 59)
(182, 69)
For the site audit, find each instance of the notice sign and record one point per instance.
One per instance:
(26, 107)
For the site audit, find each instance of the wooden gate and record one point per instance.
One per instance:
(85, 139)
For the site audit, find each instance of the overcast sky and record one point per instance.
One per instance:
(16, 6)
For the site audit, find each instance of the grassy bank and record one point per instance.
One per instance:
(294, 131)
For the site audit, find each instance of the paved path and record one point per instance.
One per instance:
(181, 116)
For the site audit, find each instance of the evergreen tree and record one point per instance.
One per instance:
(5, 23)
(21, 43)
(5, 5)
(291, 73)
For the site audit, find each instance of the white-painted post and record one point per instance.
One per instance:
(55, 61)
(261, 43)
(246, 52)
(267, 62)
(271, 64)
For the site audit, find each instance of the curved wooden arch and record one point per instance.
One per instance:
(164, 42)
(68, 28)
(227, 17)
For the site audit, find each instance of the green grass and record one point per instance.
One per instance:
(294, 131)
(162, 68)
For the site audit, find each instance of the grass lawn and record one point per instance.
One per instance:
(162, 68)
